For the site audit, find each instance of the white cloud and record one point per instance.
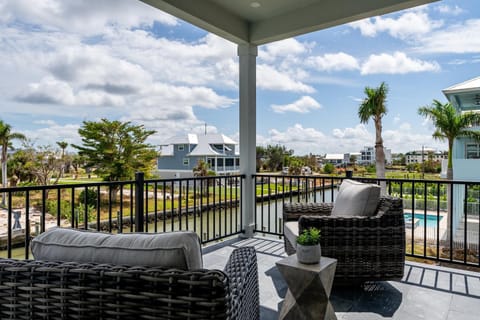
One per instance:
(303, 105)
(398, 63)
(334, 62)
(283, 49)
(54, 132)
(458, 38)
(271, 79)
(82, 16)
(452, 10)
(411, 24)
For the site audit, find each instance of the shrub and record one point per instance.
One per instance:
(328, 168)
(91, 198)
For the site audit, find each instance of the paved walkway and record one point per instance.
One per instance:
(426, 292)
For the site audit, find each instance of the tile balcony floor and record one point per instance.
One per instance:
(425, 292)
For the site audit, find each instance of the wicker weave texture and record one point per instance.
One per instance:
(367, 248)
(67, 290)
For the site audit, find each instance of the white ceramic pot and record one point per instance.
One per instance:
(308, 254)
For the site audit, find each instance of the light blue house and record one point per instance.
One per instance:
(178, 158)
(465, 97)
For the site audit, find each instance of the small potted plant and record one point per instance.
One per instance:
(308, 246)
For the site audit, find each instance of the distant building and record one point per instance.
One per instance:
(368, 155)
(418, 156)
(178, 158)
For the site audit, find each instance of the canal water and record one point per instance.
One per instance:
(220, 222)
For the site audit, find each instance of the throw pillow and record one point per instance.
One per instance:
(356, 199)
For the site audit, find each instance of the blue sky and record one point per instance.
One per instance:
(63, 62)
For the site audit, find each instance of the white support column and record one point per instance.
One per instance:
(248, 130)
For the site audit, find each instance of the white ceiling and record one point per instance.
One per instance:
(262, 21)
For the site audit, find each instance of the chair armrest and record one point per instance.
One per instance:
(242, 273)
(294, 210)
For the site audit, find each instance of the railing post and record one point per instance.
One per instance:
(139, 180)
(349, 174)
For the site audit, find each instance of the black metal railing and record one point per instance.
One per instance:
(209, 206)
(442, 217)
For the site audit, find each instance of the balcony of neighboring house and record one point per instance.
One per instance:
(211, 207)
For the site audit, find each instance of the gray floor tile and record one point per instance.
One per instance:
(427, 292)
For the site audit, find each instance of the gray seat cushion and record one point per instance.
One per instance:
(180, 249)
(356, 199)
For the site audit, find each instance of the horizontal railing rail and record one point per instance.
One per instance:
(210, 206)
(442, 217)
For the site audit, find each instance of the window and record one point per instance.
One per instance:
(181, 147)
(472, 151)
(229, 162)
(186, 161)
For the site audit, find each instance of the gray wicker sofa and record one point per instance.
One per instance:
(368, 248)
(36, 289)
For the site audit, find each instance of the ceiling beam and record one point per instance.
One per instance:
(208, 16)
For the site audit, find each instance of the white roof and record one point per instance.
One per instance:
(468, 85)
(204, 148)
(188, 139)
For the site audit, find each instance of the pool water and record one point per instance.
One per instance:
(431, 219)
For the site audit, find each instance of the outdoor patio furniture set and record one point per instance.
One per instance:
(91, 275)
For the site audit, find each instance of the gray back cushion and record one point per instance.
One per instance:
(356, 199)
(180, 249)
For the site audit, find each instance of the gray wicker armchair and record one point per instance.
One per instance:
(367, 248)
(69, 290)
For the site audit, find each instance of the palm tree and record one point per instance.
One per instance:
(6, 136)
(450, 125)
(374, 106)
(63, 145)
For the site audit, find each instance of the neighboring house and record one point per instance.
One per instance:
(337, 159)
(464, 97)
(178, 158)
(368, 155)
(418, 156)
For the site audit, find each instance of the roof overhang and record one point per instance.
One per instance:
(263, 21)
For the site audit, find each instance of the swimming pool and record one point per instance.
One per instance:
(431, 220)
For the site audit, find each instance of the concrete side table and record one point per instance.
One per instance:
(309, 287)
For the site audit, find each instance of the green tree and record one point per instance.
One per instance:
(6, 137)
(116, 150)
(450, 125)
(277, 156)
(295, 166)
(374, 106)
(201, 169)
(44, 165)
(353, 160)
(260, 157)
